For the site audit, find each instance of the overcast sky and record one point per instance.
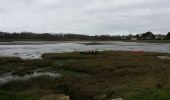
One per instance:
(85, 16)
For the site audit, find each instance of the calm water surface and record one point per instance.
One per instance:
(33, 51)
(7, 77)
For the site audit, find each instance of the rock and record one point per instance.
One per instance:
(164, 57)
(55, 97)
(118, 99)
(100, 97)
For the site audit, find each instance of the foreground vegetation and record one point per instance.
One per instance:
(19, 66)
(11, 96)
(106, 75)
(158, 94)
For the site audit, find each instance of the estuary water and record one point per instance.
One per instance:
(33, 50)
(7, 77)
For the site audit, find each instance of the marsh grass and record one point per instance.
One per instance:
(155, 94)
(13, 96)
(19, 66)
(110, 74)
(36, 87)
(113, 73)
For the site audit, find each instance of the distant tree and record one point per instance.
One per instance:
(128, 37)
(137, 36)
(168, 35)
(49, 36)
(148, 36)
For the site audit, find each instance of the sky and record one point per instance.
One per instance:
(91, 17)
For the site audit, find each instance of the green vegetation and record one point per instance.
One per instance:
(19, 66)
(106, 75)
(168, 35)
(30, 36)
(163, 94)
(12, 96)
(37, 86)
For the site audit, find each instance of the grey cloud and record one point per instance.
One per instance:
(85, 16)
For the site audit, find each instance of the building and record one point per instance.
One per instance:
(160, 37)
(123, 37)
(134, 38)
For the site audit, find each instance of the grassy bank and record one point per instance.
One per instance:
(109, 74)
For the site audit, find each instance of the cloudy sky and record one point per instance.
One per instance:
(85, 16)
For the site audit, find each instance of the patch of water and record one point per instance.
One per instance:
(7, 77)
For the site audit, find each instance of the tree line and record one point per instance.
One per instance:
(6, 36)
(58, 37)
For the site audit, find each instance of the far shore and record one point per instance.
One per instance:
(33, 42)
(148, 41)
(87, 42)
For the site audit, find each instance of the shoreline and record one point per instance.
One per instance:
(86, 42)
(35, 42)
